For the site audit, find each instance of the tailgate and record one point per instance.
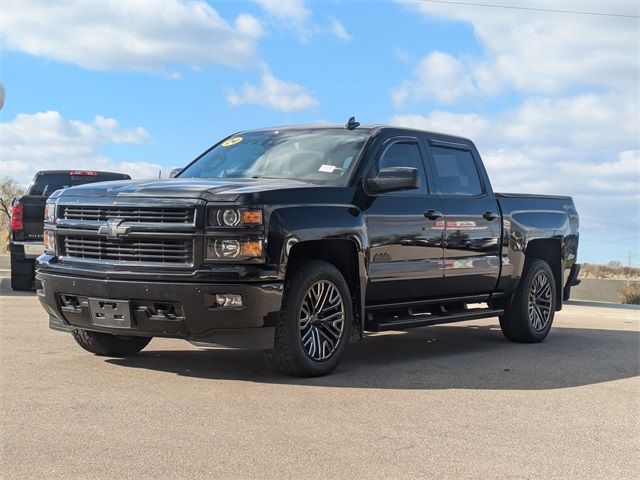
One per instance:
(33, 216)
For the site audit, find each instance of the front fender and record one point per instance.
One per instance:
(293, 224)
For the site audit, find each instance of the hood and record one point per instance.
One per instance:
(194, 188)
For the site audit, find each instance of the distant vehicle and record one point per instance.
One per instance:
(301, 239)
(27, 218)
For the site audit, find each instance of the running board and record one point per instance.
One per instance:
(429, 319)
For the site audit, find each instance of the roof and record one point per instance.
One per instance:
(372, 128)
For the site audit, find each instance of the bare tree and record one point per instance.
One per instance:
(9, 189)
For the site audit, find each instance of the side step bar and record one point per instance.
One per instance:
(425, 320)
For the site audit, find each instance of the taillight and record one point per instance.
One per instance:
(83, 173)
(16, 217)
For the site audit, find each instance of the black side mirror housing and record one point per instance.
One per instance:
(393, 179)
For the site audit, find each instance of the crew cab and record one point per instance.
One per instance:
(27, 212)
(298, 240)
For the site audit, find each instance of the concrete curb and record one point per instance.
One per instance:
(587, 303)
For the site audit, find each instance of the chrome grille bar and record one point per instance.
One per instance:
(147, 250)
(130, 214)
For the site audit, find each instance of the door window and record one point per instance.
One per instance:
(405, 154)
(456, 172)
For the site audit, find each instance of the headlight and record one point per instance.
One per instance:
(49, 240)
(233, 249)
(234, 217)
(50, 212)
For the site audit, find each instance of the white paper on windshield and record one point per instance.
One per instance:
(327, 168)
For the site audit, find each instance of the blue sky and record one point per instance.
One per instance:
(551, 99)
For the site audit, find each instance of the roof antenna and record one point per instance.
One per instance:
(352, 124)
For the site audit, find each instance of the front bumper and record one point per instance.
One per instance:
(165, 309)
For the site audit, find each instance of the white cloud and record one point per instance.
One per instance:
(469, 125)
(295, 15)
(339, 30)
(136, 35)
(549, 53)
(438, 76)
(286, 10)
(273, 92)
(46, 140)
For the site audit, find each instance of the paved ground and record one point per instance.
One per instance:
(441, 402)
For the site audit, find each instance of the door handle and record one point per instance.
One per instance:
(432, 214)
(489, 215)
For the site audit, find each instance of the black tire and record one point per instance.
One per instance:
(289, 355)
(21, 282)
(109, 345)
(22, 275)
(516, 323)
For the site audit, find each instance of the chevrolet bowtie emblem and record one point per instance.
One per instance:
(113, 230)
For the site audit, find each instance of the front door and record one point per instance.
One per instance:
(405, 256)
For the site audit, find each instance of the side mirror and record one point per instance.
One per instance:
(174, 172)
(393, 179)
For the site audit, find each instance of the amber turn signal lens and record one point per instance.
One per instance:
(251, 248)
(251, 217)
(230, 248)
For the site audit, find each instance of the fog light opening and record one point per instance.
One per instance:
(228, 300)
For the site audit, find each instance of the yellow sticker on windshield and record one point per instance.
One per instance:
(231, 141)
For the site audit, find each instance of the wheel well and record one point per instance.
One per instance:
(343, 254)
(549, 250)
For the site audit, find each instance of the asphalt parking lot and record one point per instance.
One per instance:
(441, 402)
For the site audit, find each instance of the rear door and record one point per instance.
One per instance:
(471, 222)
(405, 256)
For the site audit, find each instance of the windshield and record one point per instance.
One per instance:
(319, 156)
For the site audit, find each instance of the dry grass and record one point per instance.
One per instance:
(610, 271)
(4, 239)
(630, 294)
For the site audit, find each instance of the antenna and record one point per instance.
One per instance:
(352, 124)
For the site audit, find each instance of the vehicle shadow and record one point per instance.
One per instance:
(445, 357)
(7, 291)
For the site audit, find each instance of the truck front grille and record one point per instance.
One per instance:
(130, 214)
(142, 250)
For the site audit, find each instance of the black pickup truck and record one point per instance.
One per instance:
(300, 239)
(27, 213)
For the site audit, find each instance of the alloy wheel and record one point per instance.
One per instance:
(540, 301)
(321, 320)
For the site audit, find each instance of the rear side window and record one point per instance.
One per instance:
(456, 172)
(405, 154)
